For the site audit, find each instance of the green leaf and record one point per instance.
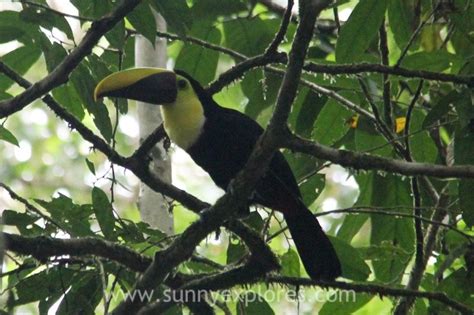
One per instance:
(21, 59)
(7, 136)
(422, 146)
(252, 303)
(84, 295)
(440, 108)
(309, 111)
(240, 35)
(12, 28)
(466, 200)
(255, 221)
(352, 263)
(235, 252)
(401, 18)
(459, 287)
(84, 83)
(200, 62)
(104, 212)
(92, 9)
(208, 10)
(143, 20)
(392, 191)
(42, 285)
(331, 123)
(116, 36)
(67, 96)
(429, 61)
(346, 306)
(10, 217)
(367, 139)
(90, 166)
(360, 29)
(463, 154)
(312, 187)
(47, 19)
(261, 90)
(53, 52)
(353, 223)
(465, 110)
(74, 219)
(176, 14)
(290, 264)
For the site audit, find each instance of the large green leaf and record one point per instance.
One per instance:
(143, 21)
(235, 252)
(67, 96)
(463, 154)
(331, 123)
(21, 59)
(401, 21)
(43, 285)
(360, 29)
(352, 263)
(429, 61)
(7, 136)
(422, 147)
(176, 14)
(252, 303)
(440, 108)
(353, 223)
(368, 139)
(261, 90)
(198, 61)
(54, 53)
(84, 295)
(46, 19)
(12, 28)
(241, 35)
(208, 10)
(391, 191)
(103, 212)
(308, 112)
(73, 218)
(345, 306)
(84, 83)
(290, 264)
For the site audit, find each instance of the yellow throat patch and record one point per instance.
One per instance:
(183, 119)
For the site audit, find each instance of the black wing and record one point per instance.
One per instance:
(224, 147)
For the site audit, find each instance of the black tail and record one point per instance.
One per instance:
(316, 251)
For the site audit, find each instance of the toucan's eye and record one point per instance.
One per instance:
(182, 84)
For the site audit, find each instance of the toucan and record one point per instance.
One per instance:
(220, 141)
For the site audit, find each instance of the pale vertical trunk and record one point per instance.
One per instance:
(154, 207)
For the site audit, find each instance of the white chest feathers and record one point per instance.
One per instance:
(183, 121)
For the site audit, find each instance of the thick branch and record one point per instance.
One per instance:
(373, 289)
(364, 161)
(61, 73)
(44, 247)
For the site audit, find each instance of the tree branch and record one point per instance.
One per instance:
(364, 161)
(43, 247)
(383, 69)
(373, 289)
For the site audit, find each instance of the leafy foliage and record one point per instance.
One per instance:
(45, 161)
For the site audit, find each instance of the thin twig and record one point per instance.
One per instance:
(384, 53)
(273, 47)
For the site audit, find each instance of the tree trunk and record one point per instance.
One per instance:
(154, 207)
